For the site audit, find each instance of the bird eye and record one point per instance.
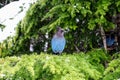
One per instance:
(62, 31)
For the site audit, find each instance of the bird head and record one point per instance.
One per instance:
(60, 31)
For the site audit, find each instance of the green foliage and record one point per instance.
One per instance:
(113, 69)
(22, 74)
(53, 67)
(98, 58)
(5, 47)
(89, 66)
(82, 19)
(66, 67)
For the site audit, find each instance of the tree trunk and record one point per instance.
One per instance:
(103, 37)
(104, 41)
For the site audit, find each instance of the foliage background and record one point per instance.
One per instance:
(82, 19)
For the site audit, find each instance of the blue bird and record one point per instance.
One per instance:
(110, 41)
(58, 41)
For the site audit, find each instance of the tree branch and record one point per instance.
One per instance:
(103, 37)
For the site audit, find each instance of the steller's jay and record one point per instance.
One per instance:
(58, 41)
(110, 41)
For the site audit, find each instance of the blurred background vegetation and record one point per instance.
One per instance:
(82, 19)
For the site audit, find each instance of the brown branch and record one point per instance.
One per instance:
(76, 48)
(103, 37)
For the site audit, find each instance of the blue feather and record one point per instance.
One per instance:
(110, 41)
(58, 44)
